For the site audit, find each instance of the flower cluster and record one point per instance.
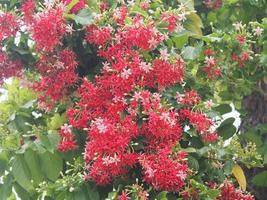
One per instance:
(9, 25)
(119, 111)
(48, 28)
(188, 98)
(164, 172)
(27, 9)
(210, 67)
(57, 75)
(229, 192)
(8, 67)
(201, 123)
(67, 141)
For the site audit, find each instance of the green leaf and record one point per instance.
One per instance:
(11, 142)
(6, 186)
(265, 158)
(22, 173)
(61, 196)
(33, 163)
(56, 121)
(162, 196)
(22, 194)
(3, 161)
(139, 11)
(228, 167)
(213, 193)
(223, 108)
(253, 137)
(260, 179)
(188, 3)
(190, 150)
(84, 17)
(190, 53)
(227, 129)
(193, 163)
(180, 40)
(228, 121)
(92, 193)
(51, 165)
(20, 123)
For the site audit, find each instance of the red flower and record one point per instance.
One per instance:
(67, 142)
(228, 192)
(57, 71)
(208, 52)
(241, 39)
(234, 57)
(124, 196)
(9, 25)
(190, 98)
(245, 56)
(28, 8)
(8, 67)
(201, 123)
(98, 36)
(171, 20)
(48, 29)
(164, 172)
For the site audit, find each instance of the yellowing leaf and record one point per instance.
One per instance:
(71, 5)
(194, 24)
(240, 176)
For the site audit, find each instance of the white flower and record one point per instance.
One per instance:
(66, 128)
(106, 160)
(126, 73)
(59, 65)
(114, 159)
(97, 16)
(118, 38)
(99, 122)
(145, 66)
(238, 26)
(106, 66)
(165, 116)
(210, 60)
(69, 28)
(164, 36)
(164, 54)
(156, 96)
(110, 160)
(137, 96)
(209, 104)
(179, 28)
(257, 31)
(150, 172)
(181, 174)
(152, 43)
